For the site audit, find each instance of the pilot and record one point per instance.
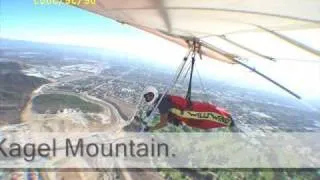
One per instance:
(152, 97)
(178, 110)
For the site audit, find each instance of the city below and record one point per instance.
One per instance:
(59, 88)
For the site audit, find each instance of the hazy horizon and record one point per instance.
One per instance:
(215, 74)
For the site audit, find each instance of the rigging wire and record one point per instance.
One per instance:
(173, 83)
(181, 80)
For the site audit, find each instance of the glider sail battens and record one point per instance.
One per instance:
(164, 14)
(218, 9)
(214, 53)
(161, 16)
(178, 21)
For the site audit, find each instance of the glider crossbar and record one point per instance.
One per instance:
(246, 48)
(292, 41)
(269, 79)
(235, 59)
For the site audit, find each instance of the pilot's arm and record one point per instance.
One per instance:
(163, 122)
(164, 107)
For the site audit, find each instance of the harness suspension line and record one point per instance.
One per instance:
(186, 73)
(188, 96)
(178, 73)
(236, 60)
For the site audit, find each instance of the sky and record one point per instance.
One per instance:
(65, 24)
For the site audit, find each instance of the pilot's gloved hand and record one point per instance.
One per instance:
(148, 113)
(146, 129)
(137, 118)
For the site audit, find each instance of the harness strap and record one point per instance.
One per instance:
(188, 96)
(196, 49)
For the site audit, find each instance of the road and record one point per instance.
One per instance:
(114, 111)
(117, 124)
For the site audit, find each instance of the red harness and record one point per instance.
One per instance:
(198, 114)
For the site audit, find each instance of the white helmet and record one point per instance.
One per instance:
(150, 94)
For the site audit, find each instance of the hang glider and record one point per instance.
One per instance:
(182, 20)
